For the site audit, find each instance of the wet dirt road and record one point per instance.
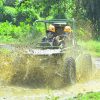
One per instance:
(20, 93)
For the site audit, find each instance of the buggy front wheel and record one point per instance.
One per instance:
(69, 71)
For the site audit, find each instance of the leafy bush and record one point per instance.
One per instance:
(23, 32)
(84, 30)
(10, 10)
(9, 2)
(1, 10)
(9, 14)
(26, 13)
(1, 3)
(88, 96)
(92, 46)
(9, 31)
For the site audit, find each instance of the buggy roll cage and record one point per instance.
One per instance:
(71, 22)
(58, 21)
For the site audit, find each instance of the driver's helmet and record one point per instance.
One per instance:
(51, 28)
(67, 29)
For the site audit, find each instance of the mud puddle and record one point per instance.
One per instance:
(22, 93)
(18, 93)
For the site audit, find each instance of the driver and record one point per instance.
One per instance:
(51, 28)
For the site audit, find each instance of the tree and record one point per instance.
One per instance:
(1, 10)
(10, 2)
(90, 10)
(56, 8)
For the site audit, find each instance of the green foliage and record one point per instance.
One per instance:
(27, 11)
(84, 30)
(10, 10)
(9, 14)
(52, 97)
(83, 34)
(26, 15)
(89, 9)
(1, 3)
(89, 96)
(37, 32)
(92, 46)
(9, 2)
(57, 8)
(1, 6)
(10, 31)
(70, 8)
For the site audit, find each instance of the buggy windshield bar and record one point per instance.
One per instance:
(57, 21)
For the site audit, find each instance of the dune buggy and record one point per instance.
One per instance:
(53, 60)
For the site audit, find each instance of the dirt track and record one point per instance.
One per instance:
(19, 93)
(22, 93)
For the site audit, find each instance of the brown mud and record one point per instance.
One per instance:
(13, 70)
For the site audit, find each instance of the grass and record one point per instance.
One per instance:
(93, 47)
(88, 96)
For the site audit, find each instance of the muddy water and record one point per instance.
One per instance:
(18, 93)
(97, 62)
(24, 93)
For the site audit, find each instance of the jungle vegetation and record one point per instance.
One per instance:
(17, 17)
